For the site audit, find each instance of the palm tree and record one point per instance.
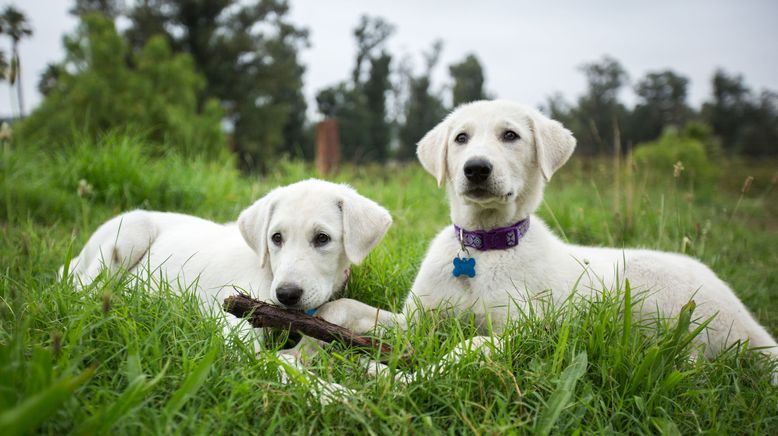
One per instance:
(14, 24)
(3, 63)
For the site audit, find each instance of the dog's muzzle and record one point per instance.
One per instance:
(289, 295)
(477, 170)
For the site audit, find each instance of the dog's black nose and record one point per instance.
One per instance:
(288, 295)
(477, 170)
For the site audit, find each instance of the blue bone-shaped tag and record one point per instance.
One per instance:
(464, 266)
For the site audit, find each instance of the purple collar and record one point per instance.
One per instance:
(496, 239)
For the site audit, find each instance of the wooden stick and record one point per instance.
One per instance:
(267, 315)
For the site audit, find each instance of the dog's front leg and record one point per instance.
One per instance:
(353, 315)
(291, 369)
(484, 345)
(242, 330)
(358, 316)
(290, 365)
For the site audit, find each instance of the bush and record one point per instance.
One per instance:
(104, 86)
(671, 148)
(116, 172)
(703, 133)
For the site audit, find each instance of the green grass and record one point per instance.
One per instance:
(117, 358)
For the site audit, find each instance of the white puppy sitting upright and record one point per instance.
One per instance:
(293, 247)
(495, 158)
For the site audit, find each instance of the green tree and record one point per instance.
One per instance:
(599, 112)
(561, 110)
(759, 134)
(108, 8)
(148, 18)
(745, 123)
(370, 35)
(248, 53)
(375, 89)
(49, 78)
(360, 104)
(14, 24)
(740, 121)
(661, 103)
(97, 91)
(468, 77)
(728, 112)
(423, 108)
(347, 105)
(3, 66)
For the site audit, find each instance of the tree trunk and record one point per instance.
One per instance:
(19, 92)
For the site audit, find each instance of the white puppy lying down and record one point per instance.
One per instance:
(495, 158)
(293, 247)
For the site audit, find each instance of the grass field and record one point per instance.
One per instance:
(116, 358)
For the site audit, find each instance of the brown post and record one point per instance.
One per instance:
(327, 146)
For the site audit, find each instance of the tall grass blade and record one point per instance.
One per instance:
(191, 384)
(133, 396)
(103, 421)
(561, 396)
(30, 413)
(561, 346)
(666, 427)
(627, 314)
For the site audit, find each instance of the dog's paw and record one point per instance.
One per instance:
(377, 369)
(336, 312)
(292, 370)
(329, 392)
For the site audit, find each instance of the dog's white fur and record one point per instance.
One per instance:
(214, 259)
(507, 281)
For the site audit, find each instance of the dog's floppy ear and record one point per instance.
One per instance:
(364, 224)
(253, 224)
(431, 151)
(554, 144)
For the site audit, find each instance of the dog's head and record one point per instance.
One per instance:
(495, 154)
(309, 233)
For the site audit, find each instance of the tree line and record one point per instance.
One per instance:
(741, 120)
(183, 71)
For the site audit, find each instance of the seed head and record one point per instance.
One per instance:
(747, 184)
(84, 188)
(106, 303)
(678, 169)
(685, 244)
(56, 343)
(5, 132)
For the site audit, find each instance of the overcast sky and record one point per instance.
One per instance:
(529, 49)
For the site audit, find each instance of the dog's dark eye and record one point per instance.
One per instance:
(461, 138)
(277, 239)
(509, 136)
(321, 239)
